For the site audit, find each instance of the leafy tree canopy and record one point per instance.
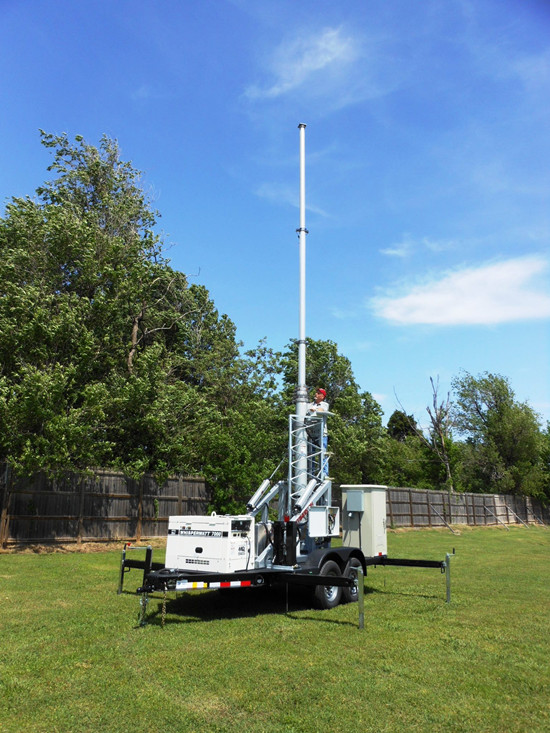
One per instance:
(504, 446)
(108, 357)
(355, 429)
(400, 425)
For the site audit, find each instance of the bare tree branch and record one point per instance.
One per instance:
(440, 429)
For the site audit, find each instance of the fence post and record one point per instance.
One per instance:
(140, 510)
(411, 508)
(389, 499)
(429, 507)
(80, 512)
(5, 517)
(181, 489)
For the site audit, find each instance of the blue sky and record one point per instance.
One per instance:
(428, 165)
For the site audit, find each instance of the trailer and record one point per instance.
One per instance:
(286, 533)
(221, 552)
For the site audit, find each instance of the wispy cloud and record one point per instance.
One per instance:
(402, 249)
(495, 293)
(143, 92)
(281, 193)
(380, 398)
(534, 70)
(296, 61)
(438, 245)
(147, 92)
(343, 314)
(339, 66)
(408, 246)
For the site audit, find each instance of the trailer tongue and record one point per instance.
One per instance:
(287, 531)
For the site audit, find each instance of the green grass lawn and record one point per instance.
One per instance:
(72, 657)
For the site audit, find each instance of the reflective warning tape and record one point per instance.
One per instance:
(232, 584)
(197, 585)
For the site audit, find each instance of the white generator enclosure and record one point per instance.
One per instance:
(364, 518)
(217, 544)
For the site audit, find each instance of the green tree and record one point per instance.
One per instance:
(407, 462)
(107, 356)
(400, 425)
(435, 443)
(439, 441)
(504, 445)
(545, 459)
(245, 432)
(359, 444)
(355, 428)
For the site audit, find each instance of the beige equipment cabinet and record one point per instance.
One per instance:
(364, 518)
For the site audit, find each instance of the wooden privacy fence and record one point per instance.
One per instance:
(425, 508)
(105, 506)
(111, 506)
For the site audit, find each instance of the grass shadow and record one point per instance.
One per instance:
(205, 606)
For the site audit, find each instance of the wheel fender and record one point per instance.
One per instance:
(340, 555)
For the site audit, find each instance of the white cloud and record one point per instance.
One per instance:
(380, 397)
(400, 249)
(143, 92)
(502, 292)
(438, 245)
(397, 250)
(343, 313)
(407, 246)
(534, 71)
(337, 67)
(146, 92)
(281, 193)
(296, 61)
(363, 346)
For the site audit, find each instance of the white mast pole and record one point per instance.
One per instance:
(300, 477)
(301, 397)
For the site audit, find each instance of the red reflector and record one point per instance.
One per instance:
(246, 583)
(286, 518)
(225, 584)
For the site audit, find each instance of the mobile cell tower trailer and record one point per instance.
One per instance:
(254, 549)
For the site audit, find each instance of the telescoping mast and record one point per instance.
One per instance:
(286, 532)
(298, 466)
(305, 515)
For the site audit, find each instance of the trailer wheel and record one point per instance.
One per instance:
(350, 595)
(328, 596)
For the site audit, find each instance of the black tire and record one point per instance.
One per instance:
(328, 596)
(350, 595)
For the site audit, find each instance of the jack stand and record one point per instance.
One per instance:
(360, 580)
(142, 616)
(447, 570)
